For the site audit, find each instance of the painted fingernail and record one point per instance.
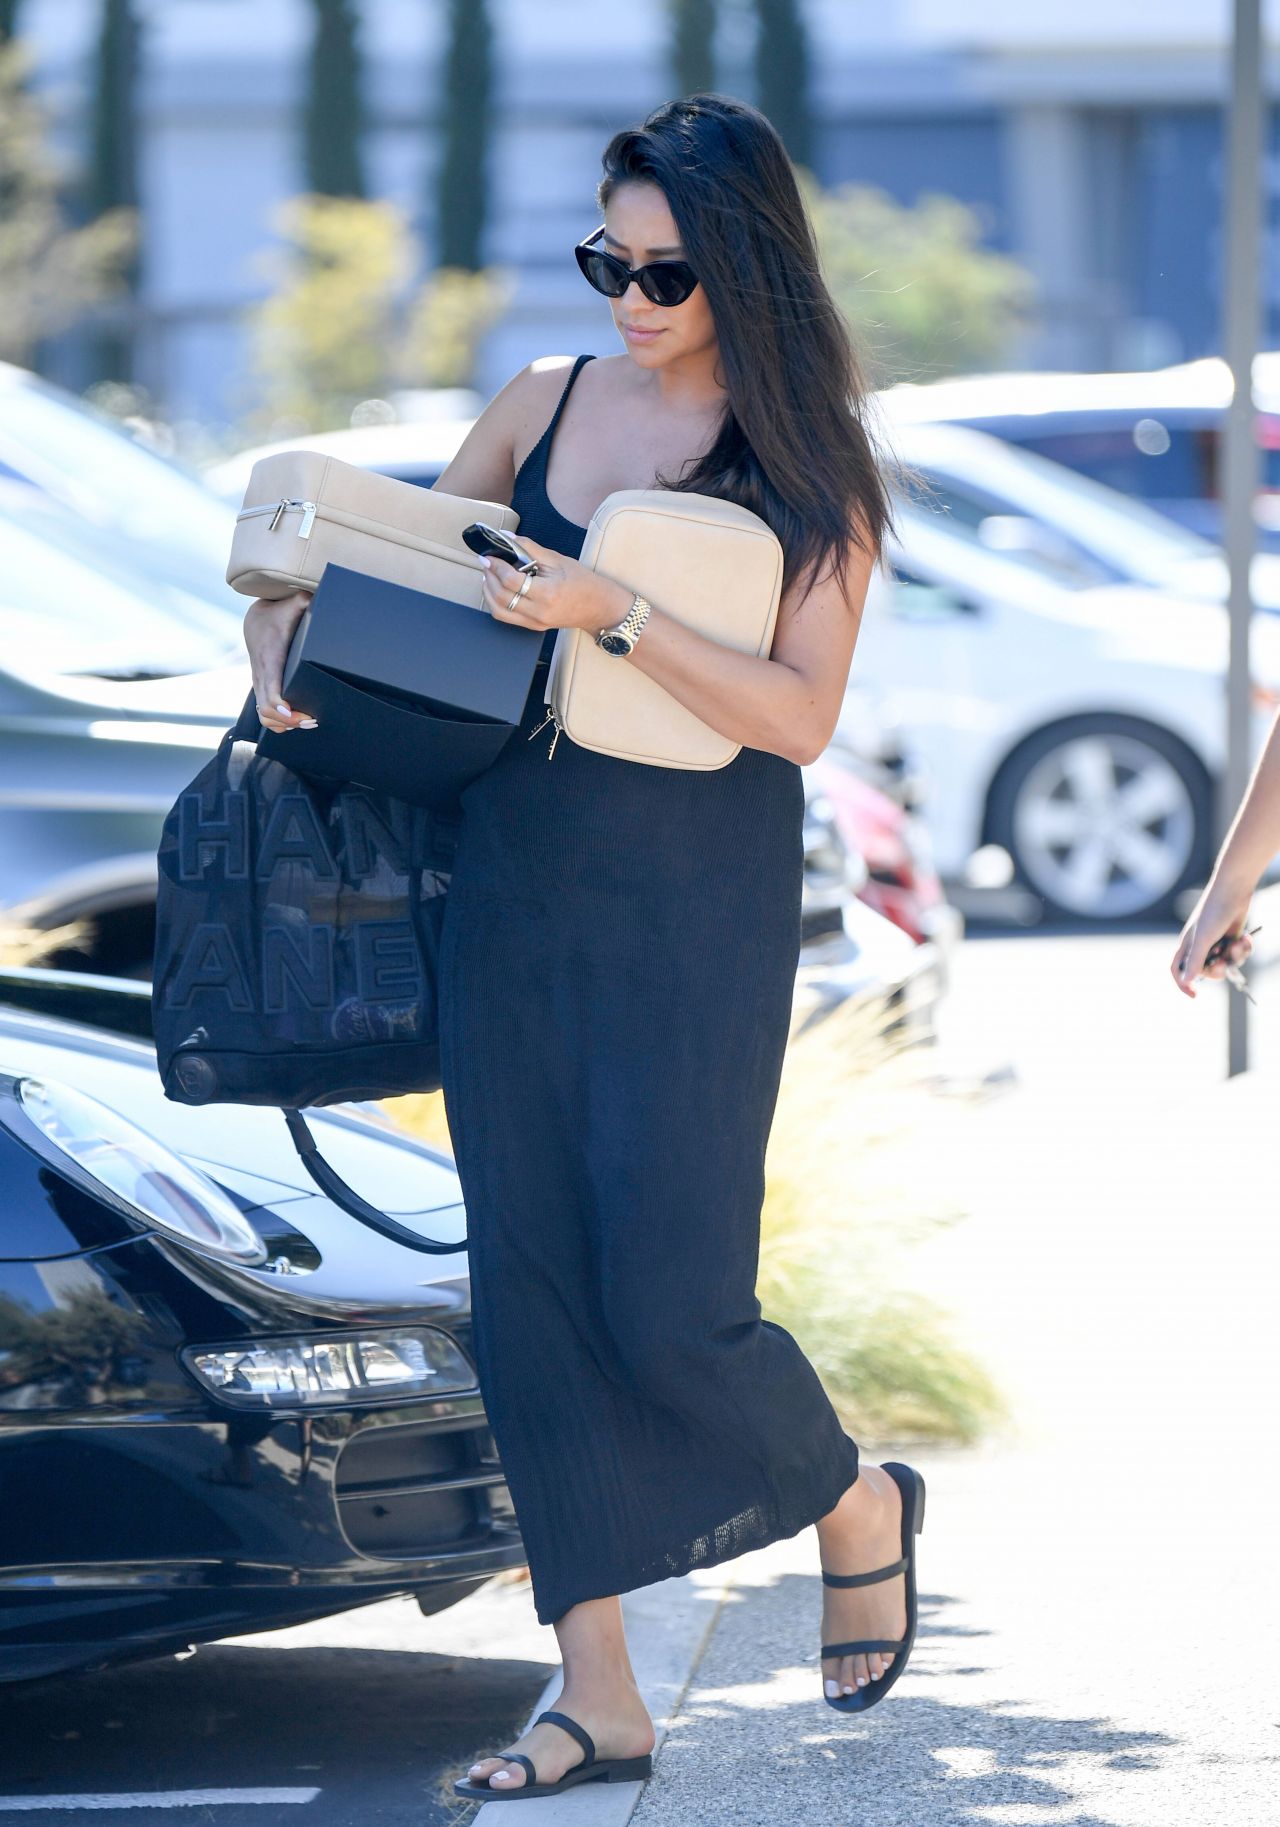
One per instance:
(284, 710)
(308, 723)
(486, 562)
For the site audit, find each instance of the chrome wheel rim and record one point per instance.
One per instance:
(1104, 825)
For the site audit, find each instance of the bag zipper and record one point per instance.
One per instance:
(276, 509)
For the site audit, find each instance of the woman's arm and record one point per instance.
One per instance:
(788, 704)
(482, 467)
(1250, 844)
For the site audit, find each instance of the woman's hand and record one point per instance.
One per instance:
(268, 630)
(1220, 909)
(564, 594)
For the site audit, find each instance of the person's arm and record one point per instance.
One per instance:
(788, 704)
(1250, 844)
(482, 468)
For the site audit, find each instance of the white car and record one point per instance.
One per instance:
(411, 450)
(1084, 731)
(1068, 526)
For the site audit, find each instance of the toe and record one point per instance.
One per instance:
(510, 1776)
(861, 1675)
(487, 1768)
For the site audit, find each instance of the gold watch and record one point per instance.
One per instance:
(621, 638)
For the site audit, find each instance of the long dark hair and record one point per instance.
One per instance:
(793, 445)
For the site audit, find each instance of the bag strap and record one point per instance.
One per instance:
(334, 1187)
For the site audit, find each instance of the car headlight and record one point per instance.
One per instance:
(333, 1370)
(128, 1169)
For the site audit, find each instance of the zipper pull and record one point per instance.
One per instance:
(308, 519)
(274, 522)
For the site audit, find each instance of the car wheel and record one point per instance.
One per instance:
(1105, 817)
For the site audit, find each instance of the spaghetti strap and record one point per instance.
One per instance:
(538, 518)
(579, 363)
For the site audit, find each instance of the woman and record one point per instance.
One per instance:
(620, 947)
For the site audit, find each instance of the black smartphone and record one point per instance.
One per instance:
(491, 542)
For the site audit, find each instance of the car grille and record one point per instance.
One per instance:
(414, 1488)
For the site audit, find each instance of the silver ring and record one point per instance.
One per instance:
(515, 599)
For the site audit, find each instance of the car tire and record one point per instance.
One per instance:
(1105, 818)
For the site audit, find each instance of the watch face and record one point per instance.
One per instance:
(615, 643)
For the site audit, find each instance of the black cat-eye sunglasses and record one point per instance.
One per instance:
(663, 282)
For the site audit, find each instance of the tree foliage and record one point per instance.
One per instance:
(51, 274)
(692, 44)
(334, 110)
(782, 75)
(338, 328)
(462, 183)
(923, 296)
(111, 180)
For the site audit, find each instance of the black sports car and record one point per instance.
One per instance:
(225, 1405)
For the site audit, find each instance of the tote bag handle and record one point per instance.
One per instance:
(334, 1187)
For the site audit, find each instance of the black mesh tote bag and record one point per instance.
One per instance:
(298, 928)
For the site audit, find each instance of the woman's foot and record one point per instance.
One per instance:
(617, 1720)
(863, 1532)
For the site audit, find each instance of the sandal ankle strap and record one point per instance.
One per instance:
(864, 1579)
(581, 1733)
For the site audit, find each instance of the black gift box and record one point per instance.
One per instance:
(414, 695)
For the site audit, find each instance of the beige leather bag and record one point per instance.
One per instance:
(303, 510)
(711, 564)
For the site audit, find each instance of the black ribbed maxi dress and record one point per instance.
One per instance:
(616, 976)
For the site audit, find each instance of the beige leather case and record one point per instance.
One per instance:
(711, 564)
(303, 510)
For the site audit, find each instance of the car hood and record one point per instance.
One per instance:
(213, 698)
(393, 1171)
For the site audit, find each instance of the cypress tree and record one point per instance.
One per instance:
(782, 74)
(112, 178)
(334, 112)
(692, 52)
(462, 187)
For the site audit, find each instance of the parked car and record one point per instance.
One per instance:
(225, 1404)
(1072, 529)
(176, 530)
(1081, 730)
(851, 956)
(1153, 435)
(900, 880)
(415, 450)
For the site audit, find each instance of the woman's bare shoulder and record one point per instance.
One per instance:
(507, 429)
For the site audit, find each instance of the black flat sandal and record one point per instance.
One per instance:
(590, 1770)
(911, 1484)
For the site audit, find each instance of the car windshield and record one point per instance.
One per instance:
(1078, 532)
(74, 599)
(84, 460)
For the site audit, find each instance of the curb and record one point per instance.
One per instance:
(668, 1626)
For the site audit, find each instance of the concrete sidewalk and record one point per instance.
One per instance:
(1099, 1601)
